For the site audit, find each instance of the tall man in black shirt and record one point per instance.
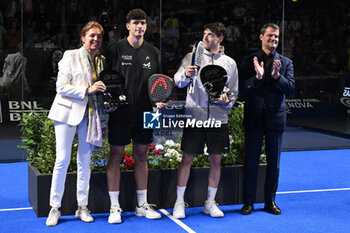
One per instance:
(266, 77)
(136, 60)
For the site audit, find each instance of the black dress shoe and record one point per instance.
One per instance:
(247, 208)
(272, 208)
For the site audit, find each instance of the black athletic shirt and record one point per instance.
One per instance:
(136, 65)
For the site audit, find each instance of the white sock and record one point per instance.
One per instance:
(114, 196)
(141, 197)
(180, 192)
(211, 193)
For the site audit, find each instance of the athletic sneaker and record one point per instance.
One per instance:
(147, 211)
(114, 216)
(84, 214)
(179, 209)
(53, 217)
(211, 208)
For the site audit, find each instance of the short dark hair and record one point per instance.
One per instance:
(218, 28)
(136, 14)
(273, 25)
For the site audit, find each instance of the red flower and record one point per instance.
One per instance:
(151, 148)
(129, 163)
(158, 152)
(126, 156)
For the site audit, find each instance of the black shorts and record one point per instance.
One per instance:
(121, 133)
(216, 139)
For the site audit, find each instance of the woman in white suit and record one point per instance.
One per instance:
(76, 109)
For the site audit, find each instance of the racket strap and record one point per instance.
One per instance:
(191, 86)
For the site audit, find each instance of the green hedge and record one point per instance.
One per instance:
(38, 139)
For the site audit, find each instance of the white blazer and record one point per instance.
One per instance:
(74, 77)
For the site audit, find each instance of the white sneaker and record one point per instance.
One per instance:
(147, 211)
(211, 208)
(179, 210)
(114, 216)
(84, 214)
(53, 217)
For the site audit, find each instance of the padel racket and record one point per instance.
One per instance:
(197, 58)
(115, 94)
(160, 88)
(197, 54)
(213, 78)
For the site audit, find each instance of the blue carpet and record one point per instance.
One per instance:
(29, 223)
(14, 185)
(321, 169)
(326, 211)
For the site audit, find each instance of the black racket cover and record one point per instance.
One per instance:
(160, 88)
(115, 94)
(213, 78)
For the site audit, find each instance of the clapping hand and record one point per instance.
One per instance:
(259, 68)
(276, 69)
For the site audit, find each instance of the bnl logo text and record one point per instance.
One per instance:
(151, 120)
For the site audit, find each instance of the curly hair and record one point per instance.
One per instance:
(136, 14)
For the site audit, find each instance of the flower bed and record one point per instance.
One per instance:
(39, 141)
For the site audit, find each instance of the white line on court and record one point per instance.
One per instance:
(314, 191)
(178, 222)
(12, 209)
(186, 228)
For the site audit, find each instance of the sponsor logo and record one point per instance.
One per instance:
(345, 100)
(300, 104)
(127, 57)
(18, 108)
(147, 65)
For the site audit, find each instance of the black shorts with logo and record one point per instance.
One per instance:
(123, 128)
(216, 139)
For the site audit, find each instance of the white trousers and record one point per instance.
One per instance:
(64, 140)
